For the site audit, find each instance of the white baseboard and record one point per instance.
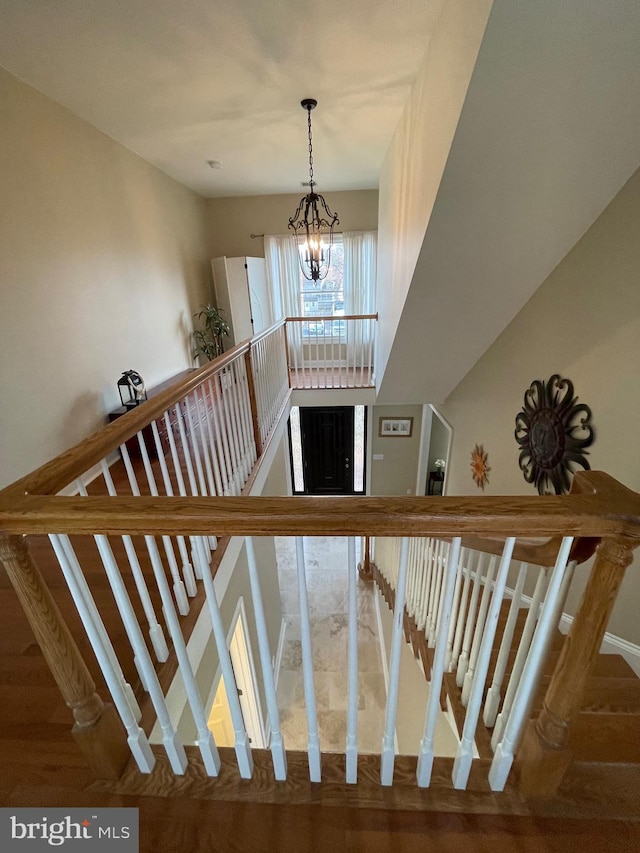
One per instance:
(611, 643)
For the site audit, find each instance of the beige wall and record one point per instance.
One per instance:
(103, 260)
(395, 474)
(583, 323)
(414, 164)
(233, 220)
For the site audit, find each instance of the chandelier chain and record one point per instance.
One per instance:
(311, 181)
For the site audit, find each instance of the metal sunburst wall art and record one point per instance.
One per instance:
(479, 467)
(552, 431)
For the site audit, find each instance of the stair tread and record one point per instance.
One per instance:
(611, 738)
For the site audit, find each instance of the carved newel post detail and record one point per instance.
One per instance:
(545, 753)
(97, 730)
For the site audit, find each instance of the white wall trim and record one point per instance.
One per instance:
(611, 643)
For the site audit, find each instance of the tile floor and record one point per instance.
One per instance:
(327, 584)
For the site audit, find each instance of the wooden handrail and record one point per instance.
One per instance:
(541, 554)
(331, 317)
(59, 472)
(610, 510)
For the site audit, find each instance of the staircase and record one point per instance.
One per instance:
(605, 737)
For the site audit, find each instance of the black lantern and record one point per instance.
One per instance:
(313, 222)
(132, 389)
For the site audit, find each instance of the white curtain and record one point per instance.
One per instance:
(283, 275)
(283, 280)
(359, 277)
(359, 287)
(360, 250)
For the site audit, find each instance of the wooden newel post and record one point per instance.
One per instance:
(545, 753)
(253, 402)
(97, 730)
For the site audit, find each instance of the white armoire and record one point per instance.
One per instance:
(241, 293)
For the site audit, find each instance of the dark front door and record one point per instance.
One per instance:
(327, 450)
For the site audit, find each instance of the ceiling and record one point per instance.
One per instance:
(183, 83)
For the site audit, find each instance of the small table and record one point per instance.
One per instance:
(435, 478)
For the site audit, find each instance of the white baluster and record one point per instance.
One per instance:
(352, 674)
(462, 611)
(313, 744)
(242, 746)
(463, 660)
(233, 445)
(492, 702)
(187, 568)
(387, 759)
(204, 448)
(479, 630)
(171, 740)
(136, 737)
(221, 443)
(156, 634)
(277, 746)
(503, 758)
(454, 611)
(200, 553)
(464, 755)
(426, 755)
(426, 583)
(178, 585)
(67, 558)
(521, 657)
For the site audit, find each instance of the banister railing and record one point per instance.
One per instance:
(334, 351)
(155, 522)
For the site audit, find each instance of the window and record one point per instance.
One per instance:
(349, 287)
(324, 298)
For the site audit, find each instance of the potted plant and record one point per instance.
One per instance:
(208, 340)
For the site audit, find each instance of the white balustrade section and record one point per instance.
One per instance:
(492, 702)
(198, 553)
(331, 352)
(277, 745)
(187, 584)
(387, 758)
(478, 633)
(136, 738)
(426, 755)
(463, 660)
(178, 585)
(547, 622)
(156, 634)
(171, 740)
(69, 563)
(480, 666)
(187, 568)
(313, 742)
(205, 740)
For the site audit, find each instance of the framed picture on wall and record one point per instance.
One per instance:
(395, 427)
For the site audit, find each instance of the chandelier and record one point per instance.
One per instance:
(312, 224)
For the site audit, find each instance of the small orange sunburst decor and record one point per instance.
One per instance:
(479, 468)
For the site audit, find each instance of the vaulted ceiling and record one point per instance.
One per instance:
(182, 83)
